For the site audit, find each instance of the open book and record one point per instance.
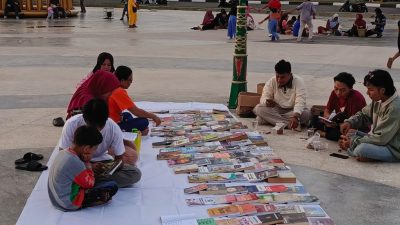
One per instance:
(334, 118)
(111, 169)
(183, 219)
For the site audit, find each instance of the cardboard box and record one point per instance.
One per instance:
(260, 88)
(246, 102)
(249, 99)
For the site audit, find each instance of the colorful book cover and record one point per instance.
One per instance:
(314, 211)
(266, 208)
(195, 189)
(297, 218)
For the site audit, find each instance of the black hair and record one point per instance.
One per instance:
(273, 10)
(95, 113)
(123, 73)
(86, 135)
(382, 79)
(345, 78)
(100, 60)
(293, 18)
(283, 67)
(378, 10)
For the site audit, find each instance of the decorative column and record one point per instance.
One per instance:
(239, 82)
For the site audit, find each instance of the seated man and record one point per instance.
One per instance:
(344, 101)
(14, 6)
(71, 183)
(120, 101)
(380, 22)
(283, 99)
(383, 114)
(95, 114)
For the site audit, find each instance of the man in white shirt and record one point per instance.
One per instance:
(283, 99)
(95, 114)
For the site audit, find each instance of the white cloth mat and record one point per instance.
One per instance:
(160, 191)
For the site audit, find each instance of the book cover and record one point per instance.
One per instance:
(296, 189)
(314, 211)
(230, 210)
(266, 209)
(265, 198)
(236, 189)
(247, 209)
(288, 209)
(272, 218)
(284, 176)
(191, 168)
(245, 198)
(206, 221)
(295, 218)
(195, 189)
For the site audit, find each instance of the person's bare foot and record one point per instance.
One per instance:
(389, 63)
(322, 133)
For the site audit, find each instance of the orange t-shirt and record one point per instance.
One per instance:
(118, 102)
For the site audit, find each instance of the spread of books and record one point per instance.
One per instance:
(233, 172)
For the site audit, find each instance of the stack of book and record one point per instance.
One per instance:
(235, 170)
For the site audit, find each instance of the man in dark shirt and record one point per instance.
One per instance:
(380, 22)
(13, 5)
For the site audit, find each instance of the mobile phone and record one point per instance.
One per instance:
(339, 156)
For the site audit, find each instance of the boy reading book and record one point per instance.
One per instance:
(71, 184)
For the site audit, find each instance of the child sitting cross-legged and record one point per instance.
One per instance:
(71, 183)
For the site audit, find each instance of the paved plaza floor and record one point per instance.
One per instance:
(41, 63)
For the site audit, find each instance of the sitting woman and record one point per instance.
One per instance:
(288, 27)
(344, 101)
(221, 20)
(105, 62)
(120, 101)
(359, 23)
(332, 26)
(99, 85)
(383, 114)
(208, 21)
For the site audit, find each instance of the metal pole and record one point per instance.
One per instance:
(239, 82)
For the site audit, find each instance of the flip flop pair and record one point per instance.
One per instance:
(29, 162)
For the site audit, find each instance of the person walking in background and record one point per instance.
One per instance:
(50, 13)
(391, 59)
(132, 13)
(307, 13)
(232, 21)
(125, 10)
(82, 3)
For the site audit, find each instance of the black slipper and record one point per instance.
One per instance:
(32, 166)
(29, 157)
(58, 122)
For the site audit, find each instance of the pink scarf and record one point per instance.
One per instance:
(208, 18)
(100, 83)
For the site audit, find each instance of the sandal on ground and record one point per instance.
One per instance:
(58, 122)
(28, 157)
(32, 166)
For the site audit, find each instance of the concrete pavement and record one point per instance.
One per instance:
(42, 62)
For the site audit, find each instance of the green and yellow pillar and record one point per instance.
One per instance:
(239, 82)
